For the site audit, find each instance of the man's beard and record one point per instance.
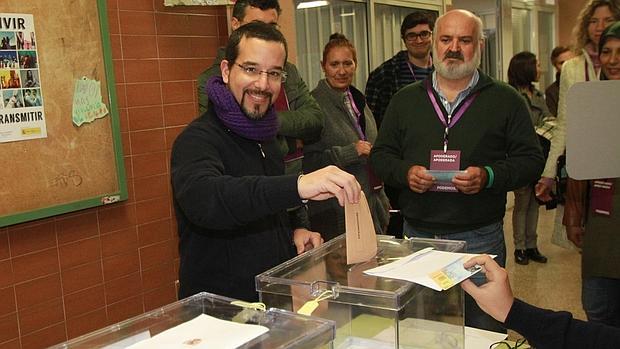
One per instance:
(255, 113)
(455, 71)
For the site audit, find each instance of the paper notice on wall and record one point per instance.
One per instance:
(21, 100)
(87, 101)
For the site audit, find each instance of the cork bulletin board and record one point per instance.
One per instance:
(56, 166)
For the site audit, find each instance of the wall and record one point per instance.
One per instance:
(287, 26)
(68, 275)
(568, 10)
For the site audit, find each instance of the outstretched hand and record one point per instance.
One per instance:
(495, 297)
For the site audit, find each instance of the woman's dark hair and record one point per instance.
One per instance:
(339, 40)
(522, 70)
(612, 31)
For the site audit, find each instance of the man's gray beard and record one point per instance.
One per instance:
(456, 71)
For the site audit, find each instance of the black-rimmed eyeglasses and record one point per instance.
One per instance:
(424, 34)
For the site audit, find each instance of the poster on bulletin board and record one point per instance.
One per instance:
(60, 132)
(22, 116)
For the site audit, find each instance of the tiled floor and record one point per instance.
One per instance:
(555, 285)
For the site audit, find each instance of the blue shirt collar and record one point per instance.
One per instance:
(461, 95)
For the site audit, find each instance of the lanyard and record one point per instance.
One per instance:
(448, 121)
(358, 115)
(430, 63)
(585, 61)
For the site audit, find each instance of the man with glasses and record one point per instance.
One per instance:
(454, 145)
(407, 66)
(300, 117)
(299, 114)
(230, 192)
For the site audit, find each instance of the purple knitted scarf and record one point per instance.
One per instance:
(229, 112)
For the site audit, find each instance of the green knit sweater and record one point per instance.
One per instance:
(495, 131)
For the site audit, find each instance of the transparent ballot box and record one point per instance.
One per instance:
(277, 328)
(370, 312)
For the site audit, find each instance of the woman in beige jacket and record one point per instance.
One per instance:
(595, 16)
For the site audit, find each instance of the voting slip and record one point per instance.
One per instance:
(204, 332)
(360, 232)
(439, 270)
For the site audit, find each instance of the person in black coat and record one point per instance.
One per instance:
(543, 328)
(230, 192)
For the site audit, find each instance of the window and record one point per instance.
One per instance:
(376, 34)
(388, 19)
(533, 29)
(521, 30)
(546, 42)
(351, 18)
(315, 25)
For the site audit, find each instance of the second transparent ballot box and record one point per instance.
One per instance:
(370, 312)
(277, 329)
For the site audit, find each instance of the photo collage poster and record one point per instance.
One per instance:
(21, 100)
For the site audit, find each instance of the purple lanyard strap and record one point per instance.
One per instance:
(430, 63)
(449, 121)
(358, 115)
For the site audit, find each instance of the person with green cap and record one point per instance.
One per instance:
(595, 231)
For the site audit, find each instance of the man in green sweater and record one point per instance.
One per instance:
(468, 141)
(299, 115)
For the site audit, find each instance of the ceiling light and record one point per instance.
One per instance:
(311, 4)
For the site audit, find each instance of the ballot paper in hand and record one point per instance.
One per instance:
(204, 332)
(360, 232)
(439, 270)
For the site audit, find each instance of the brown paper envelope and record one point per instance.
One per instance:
(360, 232)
